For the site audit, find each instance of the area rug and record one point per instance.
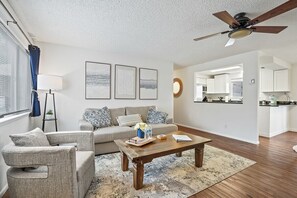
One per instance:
(167, 176)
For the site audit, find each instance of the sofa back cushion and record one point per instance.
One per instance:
(115, 113)
(139, 110)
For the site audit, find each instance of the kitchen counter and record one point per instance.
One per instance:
(279, 103)
(221, 102)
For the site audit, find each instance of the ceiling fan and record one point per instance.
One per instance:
(242, 26)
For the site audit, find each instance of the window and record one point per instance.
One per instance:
(15, 76)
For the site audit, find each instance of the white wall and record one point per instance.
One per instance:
(293, 96)
(69, 62)
(17, 125)
(238, 121)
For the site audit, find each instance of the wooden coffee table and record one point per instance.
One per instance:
(141, 155)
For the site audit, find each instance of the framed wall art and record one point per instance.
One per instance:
(97, 80)
(148, 84)
(125, 82)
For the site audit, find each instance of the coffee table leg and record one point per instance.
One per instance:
(138, 175)
(199, 156)
(179, 154)
(125, 161)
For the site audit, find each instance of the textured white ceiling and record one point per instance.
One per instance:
(162, 29)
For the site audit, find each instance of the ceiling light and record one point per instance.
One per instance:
(240, 33)
(225, 69)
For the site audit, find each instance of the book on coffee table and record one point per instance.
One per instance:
(181, 138)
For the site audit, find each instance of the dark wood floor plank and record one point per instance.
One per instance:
(274, 174)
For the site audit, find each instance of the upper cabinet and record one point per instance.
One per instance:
(275, 80)
(266, 80)
(220, 84)
(281, 81)
(201, 80)
(210, 86)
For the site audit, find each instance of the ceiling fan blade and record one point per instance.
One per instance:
(226, 17)
(268, 29)
(211, 35)
(289, 5)
(230, 42)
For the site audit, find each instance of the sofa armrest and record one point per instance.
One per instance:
(169, 121)
(20, 157)
(85, 126)
(84, 139)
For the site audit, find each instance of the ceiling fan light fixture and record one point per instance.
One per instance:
(240, 33)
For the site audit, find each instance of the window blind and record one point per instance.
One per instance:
(15, 76)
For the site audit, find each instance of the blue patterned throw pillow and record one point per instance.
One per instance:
(156, 117)
(99, 118)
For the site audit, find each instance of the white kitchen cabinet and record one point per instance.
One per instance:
(275, 80)
(222, 83)
(272, 120)
(201, 81)
(210, 85)
(266, 80)
(281, 80)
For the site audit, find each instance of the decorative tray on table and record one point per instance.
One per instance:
(136, 141)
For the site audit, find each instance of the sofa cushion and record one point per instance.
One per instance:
(163, 128)
(35, 137)
(115, 113)
(129, 120)
(110, 134)
(139, 110)
(84, 159)
(98, 118)
(156, 117)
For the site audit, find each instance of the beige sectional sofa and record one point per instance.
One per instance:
(104, 137)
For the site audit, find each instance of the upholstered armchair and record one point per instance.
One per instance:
(58, 171)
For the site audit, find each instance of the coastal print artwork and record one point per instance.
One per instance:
(97, 80)
(125, 82)
(148, 84)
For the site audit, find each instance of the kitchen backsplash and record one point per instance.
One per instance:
(278, 96)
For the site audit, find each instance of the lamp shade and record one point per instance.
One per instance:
(49, 82)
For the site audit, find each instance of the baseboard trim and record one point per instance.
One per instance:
(293, 130)
(212, 132)
(3, 190)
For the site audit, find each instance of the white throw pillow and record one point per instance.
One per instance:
(129, 120)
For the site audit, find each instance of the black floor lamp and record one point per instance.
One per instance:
(49, 83)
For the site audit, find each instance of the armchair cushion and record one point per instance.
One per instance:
(84, 159)
(32, 138)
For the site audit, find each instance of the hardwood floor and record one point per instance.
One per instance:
(274, 174)
(6, 195)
